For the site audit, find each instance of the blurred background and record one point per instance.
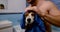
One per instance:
(13, 10)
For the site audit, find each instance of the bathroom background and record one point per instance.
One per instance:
(14, 9)
(12, 12)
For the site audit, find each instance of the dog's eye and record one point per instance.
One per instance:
(32, 14)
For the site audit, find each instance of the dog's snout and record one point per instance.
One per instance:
(28, 20)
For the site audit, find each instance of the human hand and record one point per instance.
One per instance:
(46, 7)
(34, 8)
(49, 12)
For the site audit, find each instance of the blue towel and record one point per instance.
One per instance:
(38, 26)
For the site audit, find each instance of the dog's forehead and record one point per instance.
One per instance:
(29, 12)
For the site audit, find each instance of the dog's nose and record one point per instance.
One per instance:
(28, 20)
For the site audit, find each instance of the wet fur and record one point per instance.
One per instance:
(29, 26)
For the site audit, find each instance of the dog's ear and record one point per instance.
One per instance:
(26, 14)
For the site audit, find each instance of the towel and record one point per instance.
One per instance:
(38, 26)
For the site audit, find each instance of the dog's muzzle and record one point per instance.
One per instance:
(29, 20)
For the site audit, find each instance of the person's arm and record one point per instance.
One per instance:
(50, 13)
(55, 20)
(53, 16)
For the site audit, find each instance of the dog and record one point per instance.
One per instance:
(29, 19)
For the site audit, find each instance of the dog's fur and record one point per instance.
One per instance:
(29, 19)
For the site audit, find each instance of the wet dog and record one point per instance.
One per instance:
(29, 19)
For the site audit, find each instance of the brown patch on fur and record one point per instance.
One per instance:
(26, 14)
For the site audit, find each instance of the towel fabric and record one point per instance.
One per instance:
(38, 26)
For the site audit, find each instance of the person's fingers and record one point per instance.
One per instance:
(32, 8)
(35, 9)
(28, 8)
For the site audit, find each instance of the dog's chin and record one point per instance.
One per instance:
(28, 26)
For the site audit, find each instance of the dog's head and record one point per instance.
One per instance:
(29, 18)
